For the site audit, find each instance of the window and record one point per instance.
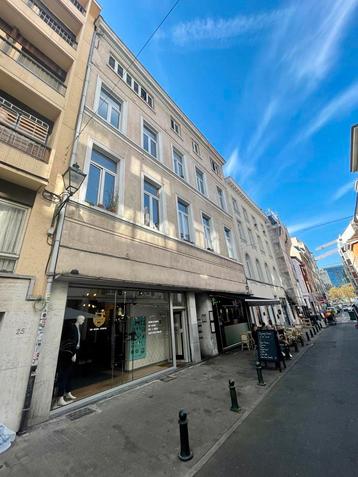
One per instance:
(248, 263)
(251, 238)
(200, 181)
(195, 147)
(130, 81)
(275, 276)
(207, 232)
(245, 214)
(235, 206)
(268, 248)
(183, 216)
(175, 126)
(151, 204)
(101, 182)
(241, 230)
(150, 140)
(261, 245)
(229, 244)
(268, 274)
(12, 226)
(109, 109)
(221, 198)
(259, 271)
(215, 167)
(178, 160)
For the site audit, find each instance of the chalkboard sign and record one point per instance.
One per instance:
(268, 346)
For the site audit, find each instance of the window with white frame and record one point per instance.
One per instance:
(229, 244)
(241, 230)
(175, 126)
(249, 269)
(251, 237)
(151, 193)
(183, 218)
(207, 232)
(200, 181)
(235, 206)
(195, 147)
(101, 182)
(259, 271)
(221, 198)
(245, 214)
(215, 167)
(12, 226)
(150, 140)
(254, 221)
(178, 161)
(261, 245)
(109, 109)
(268, 274)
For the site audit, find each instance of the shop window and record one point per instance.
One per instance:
(101, 183)
(12, 227)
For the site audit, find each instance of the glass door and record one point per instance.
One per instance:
(179, 334)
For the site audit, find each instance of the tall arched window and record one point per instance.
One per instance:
(259, 271)
(249, 269)
(275, 276)
(268, 274)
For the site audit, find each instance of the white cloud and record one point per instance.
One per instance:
(238, 168)
(213, 29)
(306, 224)
(343, 190)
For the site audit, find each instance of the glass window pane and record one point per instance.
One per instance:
(153, 148)
(108, 191)
(104, 161)
(182, 207)
(11, 222)
(150, 133)
(146, 142)
(148, 187)
(115, 118)
(155, 204)
(103, 108)
(146, 209)
(93, 185)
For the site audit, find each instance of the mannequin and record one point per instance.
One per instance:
(67, 358)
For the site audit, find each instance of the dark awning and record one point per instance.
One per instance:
(261, 301)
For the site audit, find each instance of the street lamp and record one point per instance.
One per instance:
(73, 178)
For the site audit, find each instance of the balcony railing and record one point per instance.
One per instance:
(79, 6)
(52, 21)
(32, 65)
(23, 130)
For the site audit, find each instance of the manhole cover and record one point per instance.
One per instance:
(80, 413)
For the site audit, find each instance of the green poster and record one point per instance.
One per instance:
(137, 347)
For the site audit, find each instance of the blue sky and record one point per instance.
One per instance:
(273, 85)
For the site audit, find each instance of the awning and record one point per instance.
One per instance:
(261, 301)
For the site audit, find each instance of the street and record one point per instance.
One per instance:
(307, 425)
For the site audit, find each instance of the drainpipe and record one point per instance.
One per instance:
(51, 269)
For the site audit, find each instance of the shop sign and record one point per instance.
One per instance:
(268, 346)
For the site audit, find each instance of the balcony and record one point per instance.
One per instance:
(79, 6)
(50, 19)
(23, 131)
(30, 64)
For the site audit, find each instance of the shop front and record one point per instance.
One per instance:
(112, 337)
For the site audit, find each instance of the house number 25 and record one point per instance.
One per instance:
(20, 331)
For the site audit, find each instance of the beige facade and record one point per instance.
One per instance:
(44, 47)
(268, 300)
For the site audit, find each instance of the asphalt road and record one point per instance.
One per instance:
(308, 424)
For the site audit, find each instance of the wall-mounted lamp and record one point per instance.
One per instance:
(73, 178)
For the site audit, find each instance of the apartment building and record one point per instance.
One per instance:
(308, 277)
(348, 250)
(268, 301)
(281, 244)
(44, 47)
(147, 250)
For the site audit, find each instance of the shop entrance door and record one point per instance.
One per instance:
(179, 334)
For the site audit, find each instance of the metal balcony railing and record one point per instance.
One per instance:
(23, 130)
(79, 6)
(32, 65)
(52, 21)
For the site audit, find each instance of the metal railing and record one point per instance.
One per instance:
(79, 6)
(52, 21)
(23, 143)
(32, 65)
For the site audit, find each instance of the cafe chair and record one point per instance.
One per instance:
(245, 341)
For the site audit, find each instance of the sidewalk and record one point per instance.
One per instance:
(136, 433)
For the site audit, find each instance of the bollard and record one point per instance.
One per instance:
(185, 452)
(260, 377)
(296, 346)
(302, 341)
(311, 333)
(234, 404)
(308, 336)
(314, 330)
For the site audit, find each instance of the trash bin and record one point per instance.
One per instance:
(352, 315)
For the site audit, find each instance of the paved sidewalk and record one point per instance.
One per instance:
(136, 433)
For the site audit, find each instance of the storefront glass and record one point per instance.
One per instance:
(116, 336)
(231, 318)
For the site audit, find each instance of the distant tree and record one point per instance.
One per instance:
(344, 292)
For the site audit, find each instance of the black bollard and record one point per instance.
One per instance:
(234, 404)
(260, 377)
(311, 333)
(314, 331)
(296, 346)
(308, 336)
(302, 341)
(185, 452)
